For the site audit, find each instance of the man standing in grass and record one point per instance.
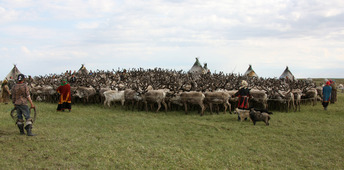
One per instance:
(326, 94)
(20, 96)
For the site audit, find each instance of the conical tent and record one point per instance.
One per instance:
(13, 73)
(197, 68)
(287, 74)
(83, 70)
(250, 72)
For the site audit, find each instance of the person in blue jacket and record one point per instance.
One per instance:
(326, 94)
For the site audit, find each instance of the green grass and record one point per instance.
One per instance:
(320, 81)
(93, 137)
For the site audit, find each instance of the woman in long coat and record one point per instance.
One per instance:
(326, 95)
(65, 101)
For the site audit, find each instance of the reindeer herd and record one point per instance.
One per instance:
(152, 89)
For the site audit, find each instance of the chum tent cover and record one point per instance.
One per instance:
(287, 74)
(83, 70)
(197, 68)
(250, 72)
(13, 73)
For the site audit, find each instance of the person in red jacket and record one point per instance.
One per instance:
(243, 94)
(65, 101)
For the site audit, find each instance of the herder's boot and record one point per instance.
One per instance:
(21, 129)
(28, 129)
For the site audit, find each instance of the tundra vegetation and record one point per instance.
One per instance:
(95, 137)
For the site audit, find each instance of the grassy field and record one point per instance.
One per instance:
(93, 137)
(319, 81)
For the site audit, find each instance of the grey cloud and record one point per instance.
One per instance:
(148, 31)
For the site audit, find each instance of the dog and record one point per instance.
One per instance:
(243, 114)
(262, 110)
(261, 115)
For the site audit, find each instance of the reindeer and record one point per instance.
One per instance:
(193, 98)
(297, 98)
(114, 96)
(310, 94)
(85, 93)
(155, 96)
(217, 98)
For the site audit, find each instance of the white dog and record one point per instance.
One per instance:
(242, 113)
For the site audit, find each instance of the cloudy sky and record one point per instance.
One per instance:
(52, 36)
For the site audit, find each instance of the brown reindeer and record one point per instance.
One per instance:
(192, 98)
(155, 96)
(217, 98)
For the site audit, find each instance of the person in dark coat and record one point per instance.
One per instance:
(326, 94)
(243, 94)
(72, 80)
